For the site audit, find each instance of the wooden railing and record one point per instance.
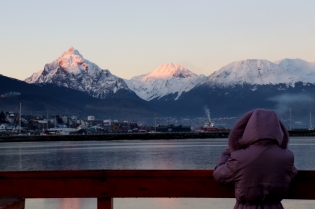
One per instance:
(107, 184)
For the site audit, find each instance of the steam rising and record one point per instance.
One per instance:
(207, 111)
(286, 101)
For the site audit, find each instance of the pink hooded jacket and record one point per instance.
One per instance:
(257, 161)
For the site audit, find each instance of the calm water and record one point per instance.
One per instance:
(136, 154)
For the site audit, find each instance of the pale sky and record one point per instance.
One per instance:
(133, 37)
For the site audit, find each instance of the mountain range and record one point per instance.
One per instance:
(173, 90)
(264, 72)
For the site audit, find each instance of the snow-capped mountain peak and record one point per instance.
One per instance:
(261, 72)
(168, 71)
(73, 71)
(296, 65)
(73, 61)
(167, 79)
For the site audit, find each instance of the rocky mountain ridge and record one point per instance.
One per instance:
(263, 72)
(167, 79)
(71, 70)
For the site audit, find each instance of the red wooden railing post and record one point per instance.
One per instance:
(104, 203)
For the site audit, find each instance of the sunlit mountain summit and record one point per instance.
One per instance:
(264, 72)
(167, 79)
(72, 70)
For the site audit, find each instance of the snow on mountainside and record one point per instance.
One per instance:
(166, 79)
(304, 71)
(256, 71)
(73, 71)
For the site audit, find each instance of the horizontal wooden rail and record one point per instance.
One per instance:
(108, 184)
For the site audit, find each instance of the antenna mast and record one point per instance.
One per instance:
(154, 122)
(47, 119)
(20, 118)
(290, 119)
(311, 128)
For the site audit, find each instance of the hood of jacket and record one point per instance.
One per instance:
(256, 125)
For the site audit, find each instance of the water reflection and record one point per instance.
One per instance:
(153, 203)
(137, 154)
(178, 154)
(58, 203)
(73, 203)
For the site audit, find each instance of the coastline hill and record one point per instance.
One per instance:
(37, 99)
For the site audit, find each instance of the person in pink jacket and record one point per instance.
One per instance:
(257, 161)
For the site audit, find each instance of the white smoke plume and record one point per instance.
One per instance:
(207, 111)
(285, 101)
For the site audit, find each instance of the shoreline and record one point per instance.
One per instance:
(135, 136)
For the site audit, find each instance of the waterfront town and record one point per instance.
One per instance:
(12, 124)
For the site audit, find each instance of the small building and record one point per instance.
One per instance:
(107, 122)
(11, 117)
(5, 127)
(124, 127)
(69, 120)
(74, 118)
(90, 117)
